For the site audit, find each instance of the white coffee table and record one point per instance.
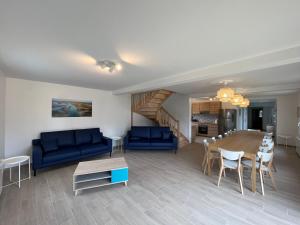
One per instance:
(17, 161)
(118, 141)
(97, 173)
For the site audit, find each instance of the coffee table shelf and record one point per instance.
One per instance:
(91, 177)
(97, 173)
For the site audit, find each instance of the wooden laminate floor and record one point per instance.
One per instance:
(163, 188)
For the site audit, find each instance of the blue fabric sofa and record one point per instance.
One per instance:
(150, 138)
(58, 147)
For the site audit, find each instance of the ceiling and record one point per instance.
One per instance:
(161, 44)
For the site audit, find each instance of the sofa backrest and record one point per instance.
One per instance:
(85, 136)
(140, 131)
(61, 138)
(68, 138)
(148, 131)
(156, 132)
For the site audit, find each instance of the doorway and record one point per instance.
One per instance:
(256, 119)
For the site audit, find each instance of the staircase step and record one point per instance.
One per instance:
(161, 96)
(146, 113)
(156, 101)
(149, 109)
(152, 104)
(166, 92)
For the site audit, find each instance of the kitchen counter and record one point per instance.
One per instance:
(212, 129)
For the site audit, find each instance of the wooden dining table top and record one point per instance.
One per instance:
(247, 141)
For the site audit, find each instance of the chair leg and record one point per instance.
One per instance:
(261, 182)
(241, 183)
(212, 163)
(242, 173)
(224, 174)
(204, 160)
(273, 181)
(220, 175)
(274, 167)
(205, 165)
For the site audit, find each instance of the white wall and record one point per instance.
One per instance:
(179, 106)
(298, 119)
(139, 120)
(2, 97)
(287, 116)
(28, 112)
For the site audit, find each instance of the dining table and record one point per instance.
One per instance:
(247, 141)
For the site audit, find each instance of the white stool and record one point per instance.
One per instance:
(286, 137)
(118, 142)
(16, 161)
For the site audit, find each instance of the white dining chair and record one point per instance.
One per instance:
(226, 134)
(220, 136)
(231, 160)
(266, 141)
(213, 139)
(269, 134)
(264, 165)
(212, 155)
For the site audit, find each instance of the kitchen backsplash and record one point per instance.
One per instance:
(205, 118)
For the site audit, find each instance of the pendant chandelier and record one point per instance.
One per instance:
(227, 94)
(237, 99)
(245, 103)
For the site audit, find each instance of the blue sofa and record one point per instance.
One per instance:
(59, 147)
(150, 138)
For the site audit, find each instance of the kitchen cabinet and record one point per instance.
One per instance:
(195, 108)
(214, 107)
(194, 131)
(206, 107)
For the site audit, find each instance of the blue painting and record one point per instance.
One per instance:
(70, 108)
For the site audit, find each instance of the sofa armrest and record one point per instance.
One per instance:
(108, 142)
(126, 139)
(37, 154)
(175, 141)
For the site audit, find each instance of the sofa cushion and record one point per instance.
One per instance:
(92, 148)
(61, 154)
(156, 132)
(49, 145)
(63, 138)
(83, 137)
(143, 132)
(161, 143)
(135, 138)
(166, 135)
(96, 138)
(160, 140)
(139, 143)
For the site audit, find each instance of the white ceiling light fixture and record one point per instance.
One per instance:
(109, 65)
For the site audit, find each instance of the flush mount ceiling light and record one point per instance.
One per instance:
(109, 65)
(225, 94)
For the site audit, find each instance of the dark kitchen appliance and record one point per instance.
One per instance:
(203, 129)
(227, 120)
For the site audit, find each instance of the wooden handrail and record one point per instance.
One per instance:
(164, 118)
